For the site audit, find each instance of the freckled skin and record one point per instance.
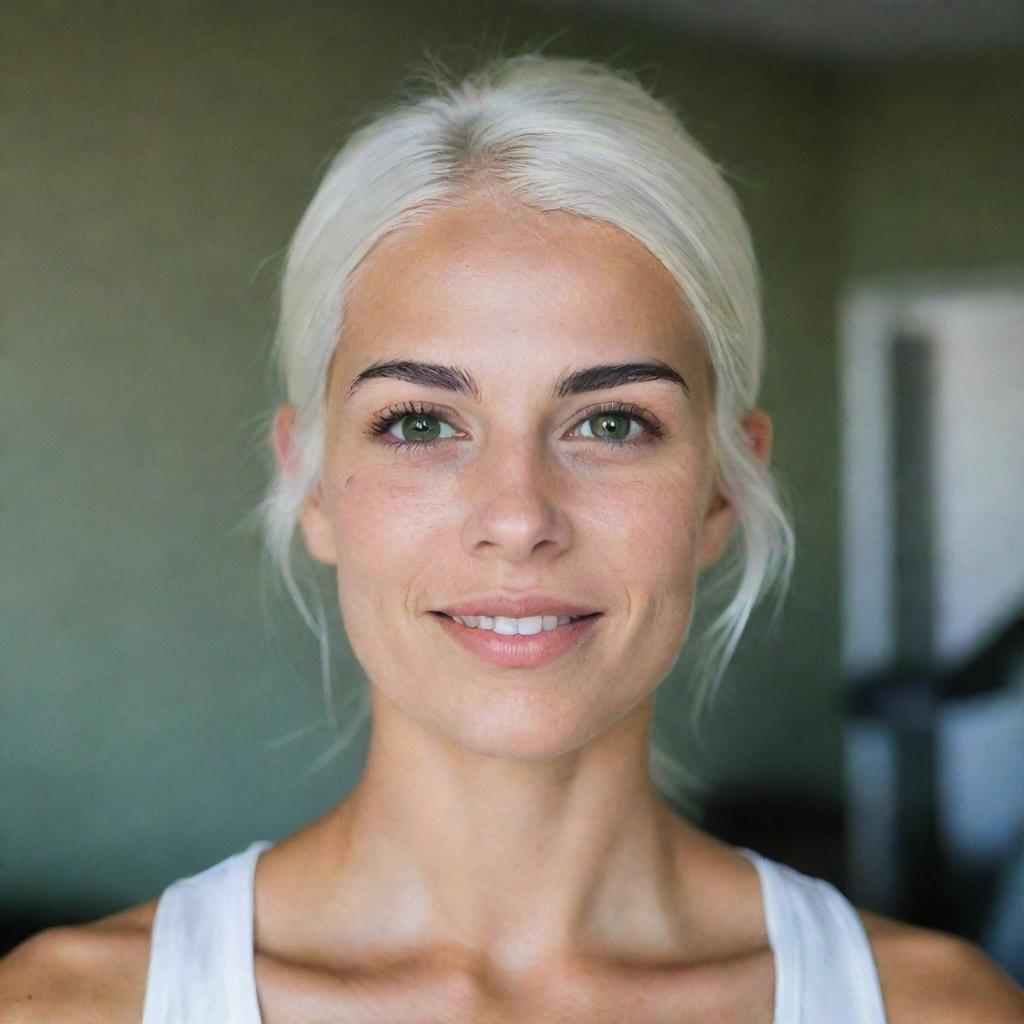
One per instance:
(517, 300)
(519, 498)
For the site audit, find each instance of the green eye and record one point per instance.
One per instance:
(613, 426)
(412, 425)
(421, 428)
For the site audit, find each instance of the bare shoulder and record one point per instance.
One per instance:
(938, 978)
(88, 973)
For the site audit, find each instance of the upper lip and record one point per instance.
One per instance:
(521, 606)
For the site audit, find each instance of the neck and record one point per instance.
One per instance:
(512, 862)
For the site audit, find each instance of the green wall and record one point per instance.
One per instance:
(155, 158)
(933, 166)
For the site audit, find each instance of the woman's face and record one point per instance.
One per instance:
(510, 487)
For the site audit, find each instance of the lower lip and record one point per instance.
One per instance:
(518, 651)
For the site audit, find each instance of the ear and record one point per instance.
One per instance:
(313, 518)
(721, 514)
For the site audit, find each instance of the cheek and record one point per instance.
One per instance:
(385, 522)
(389, 525)
(646, 524)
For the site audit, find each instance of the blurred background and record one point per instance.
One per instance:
(160, 707)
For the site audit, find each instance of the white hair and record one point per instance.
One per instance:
(548, 133)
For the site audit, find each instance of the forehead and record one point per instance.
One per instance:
(484, 279)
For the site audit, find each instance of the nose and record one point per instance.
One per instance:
(515, 508)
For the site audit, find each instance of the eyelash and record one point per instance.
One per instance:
(390, 416)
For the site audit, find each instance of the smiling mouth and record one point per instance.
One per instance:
(498, 640)
(571, 619)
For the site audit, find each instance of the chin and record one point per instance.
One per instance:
(525, 734)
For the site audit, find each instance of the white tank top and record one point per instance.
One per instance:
(201, 955)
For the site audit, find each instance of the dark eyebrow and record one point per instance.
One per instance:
(453, 378)
(612, 375)
(431, 375)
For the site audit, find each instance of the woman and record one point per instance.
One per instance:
(521, 343)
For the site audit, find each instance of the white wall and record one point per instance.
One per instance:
(979, 470)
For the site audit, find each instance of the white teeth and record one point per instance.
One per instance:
(525, 627)
(505, 626)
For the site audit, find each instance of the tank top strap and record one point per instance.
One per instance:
(824, 967)
(201, 961)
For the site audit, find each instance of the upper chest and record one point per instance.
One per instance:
(740, 990)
